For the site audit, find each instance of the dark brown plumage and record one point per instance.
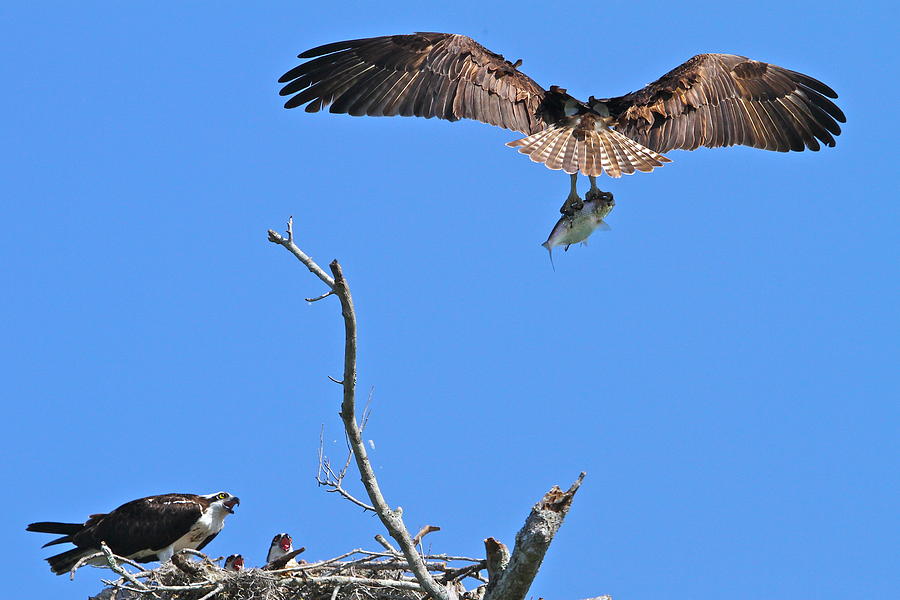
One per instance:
(711, 100)
(145, 529)
(427, 75)
(717, 100)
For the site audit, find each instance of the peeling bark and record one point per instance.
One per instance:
(532, 542)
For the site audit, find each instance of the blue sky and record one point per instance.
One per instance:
(723, 363)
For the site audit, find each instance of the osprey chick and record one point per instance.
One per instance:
(234, 562)
(281, 553)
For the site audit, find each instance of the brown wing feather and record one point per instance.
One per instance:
(150, 523)
(439, 75)
(721, 100)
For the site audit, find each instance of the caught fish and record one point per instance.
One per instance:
(578, 227)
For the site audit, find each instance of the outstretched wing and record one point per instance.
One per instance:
(427, 75)
(721, 100)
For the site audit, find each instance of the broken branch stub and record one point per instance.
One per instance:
(532, 543)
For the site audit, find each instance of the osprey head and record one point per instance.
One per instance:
(235, 562)
(284, 542)
(224, 500)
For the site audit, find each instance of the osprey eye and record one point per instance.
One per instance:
(222, 496)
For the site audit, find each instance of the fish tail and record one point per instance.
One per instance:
(550, 252)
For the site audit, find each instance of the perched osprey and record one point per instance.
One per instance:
(235, 562)
(151, 528)
(711, 100)
(281, 553)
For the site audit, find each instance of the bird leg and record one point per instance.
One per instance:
(596, 193)
(573, 202)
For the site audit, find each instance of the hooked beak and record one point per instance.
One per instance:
(230, 504)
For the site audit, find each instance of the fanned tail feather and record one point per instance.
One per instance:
(563, 147)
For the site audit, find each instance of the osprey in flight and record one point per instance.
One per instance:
(711, 100)
(151, 528)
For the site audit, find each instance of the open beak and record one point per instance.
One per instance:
(230, 504)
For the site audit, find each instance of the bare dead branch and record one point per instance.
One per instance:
(118, 569)
(451, 557)
(497, 560)
(200, 554)
(347, 580)
(161, 588)
(180, 561)
(288, 243)
(84, 560)
(532, 542)
(391, 518)
(463, 572)
(212, 592)
(322, 297)
(387, 545)
(329, 561)
(376, 576)
(327, 477)
(337, 487)
(417, 539)
(367, 410)
(343, 472)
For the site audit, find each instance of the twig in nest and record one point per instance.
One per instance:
(463, 572)
(390, 583)
(212, 592)
(84, 560)
(180, 560)
(118, 569)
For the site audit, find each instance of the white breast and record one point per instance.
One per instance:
(210, 522)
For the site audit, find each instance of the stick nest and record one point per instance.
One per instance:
(356, 575)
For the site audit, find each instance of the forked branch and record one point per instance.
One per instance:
(510, 574)
(391, 518)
